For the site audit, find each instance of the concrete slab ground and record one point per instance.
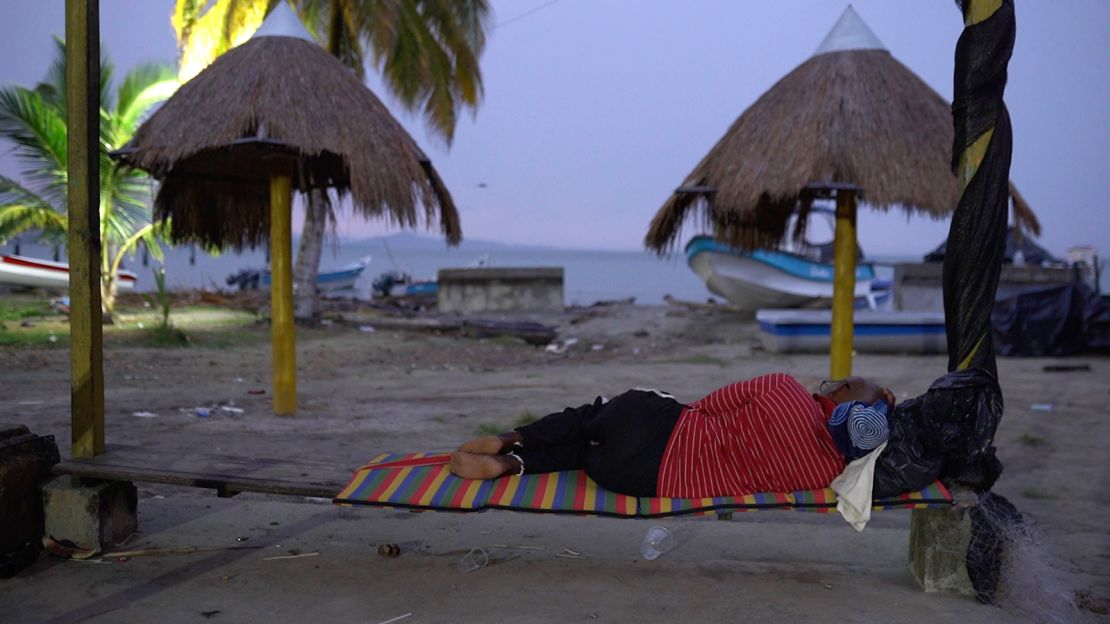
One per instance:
(767, 566)
(363, 393)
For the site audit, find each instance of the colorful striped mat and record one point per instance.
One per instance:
(422, 481)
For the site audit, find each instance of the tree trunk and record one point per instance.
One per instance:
(107, 298)
(306, 308)
(107, 285)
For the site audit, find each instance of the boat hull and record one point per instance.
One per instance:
(768, 279)
(329, 281)
(36, 273)
(809, 331)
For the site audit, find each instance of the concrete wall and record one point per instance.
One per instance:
(918, 286)
(500, 289)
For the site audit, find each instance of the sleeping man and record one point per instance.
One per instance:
(767, 434)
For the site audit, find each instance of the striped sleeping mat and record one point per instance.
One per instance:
(422, 481)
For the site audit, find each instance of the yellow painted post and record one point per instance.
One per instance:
(844, 285)
(83, 197)
(281, 296)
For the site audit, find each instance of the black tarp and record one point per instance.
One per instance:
(946, 433)
(1032, 253)
(1051, 320)
(949, 430)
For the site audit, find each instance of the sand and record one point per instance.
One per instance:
(367, 392)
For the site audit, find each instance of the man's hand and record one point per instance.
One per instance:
(888, 396)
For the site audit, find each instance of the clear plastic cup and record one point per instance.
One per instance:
(476, 559)
(658, 541)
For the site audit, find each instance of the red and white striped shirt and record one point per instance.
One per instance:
(765, 434)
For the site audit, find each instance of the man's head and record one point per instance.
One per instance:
(856, 389)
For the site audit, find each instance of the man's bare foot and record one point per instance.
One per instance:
(491, 445)
(481, 466)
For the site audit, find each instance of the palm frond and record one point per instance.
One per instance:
(185, 14)
(224, 25)
(143, 87)
(38, 131)
(53, 85)
(22, 210)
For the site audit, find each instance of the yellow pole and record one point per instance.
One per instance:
(281, 296)
(844, 285)
(83, 198)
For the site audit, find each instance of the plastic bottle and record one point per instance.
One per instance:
(658, 541)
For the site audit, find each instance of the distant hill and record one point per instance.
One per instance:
(407, 241)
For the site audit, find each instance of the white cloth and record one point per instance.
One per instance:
(853, 489)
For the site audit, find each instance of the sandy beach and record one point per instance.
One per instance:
(364, 392)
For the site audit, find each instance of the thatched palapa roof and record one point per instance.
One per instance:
(851, 114)
(279, 102)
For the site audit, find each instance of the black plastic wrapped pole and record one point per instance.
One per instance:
(955, 427)
(981, 159)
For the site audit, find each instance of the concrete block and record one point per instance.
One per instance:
(91, 514)
(938, 549)
(508, 289)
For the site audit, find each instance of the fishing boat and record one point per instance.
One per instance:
(326, 281)
(35, 273)
(800, 275)
(809, 331)
(397, 283)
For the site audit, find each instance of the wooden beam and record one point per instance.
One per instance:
(844, 285)
(281, 296)
(227, 475)
(83, 170)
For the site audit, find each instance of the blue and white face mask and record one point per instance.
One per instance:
(866, 425)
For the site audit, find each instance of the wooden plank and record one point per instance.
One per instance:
(226, 474)
(83, 188)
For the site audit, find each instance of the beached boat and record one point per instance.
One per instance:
(326, 281)
(36, 273)
(400, 284)
(809, 331)
(750, 280)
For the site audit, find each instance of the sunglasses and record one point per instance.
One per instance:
(832, 385)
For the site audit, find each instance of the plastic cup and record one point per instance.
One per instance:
(658, 541)
(476, 559)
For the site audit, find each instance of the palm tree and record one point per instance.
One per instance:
(427, 51)
(35, 122)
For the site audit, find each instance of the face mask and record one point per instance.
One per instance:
(866, 424)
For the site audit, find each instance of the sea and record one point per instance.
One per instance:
(590, 275)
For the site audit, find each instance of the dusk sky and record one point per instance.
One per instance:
(595, 110)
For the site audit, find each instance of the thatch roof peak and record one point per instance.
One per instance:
(283, 22)
(849, 33)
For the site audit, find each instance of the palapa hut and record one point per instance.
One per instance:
(850, 121)
(275, 114)
(281, 100)
(851, 114)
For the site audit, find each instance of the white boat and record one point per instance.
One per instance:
(36, 273)
(326, 281)
(800, 276)
(809, 331)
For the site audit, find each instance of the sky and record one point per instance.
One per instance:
(595, 110)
